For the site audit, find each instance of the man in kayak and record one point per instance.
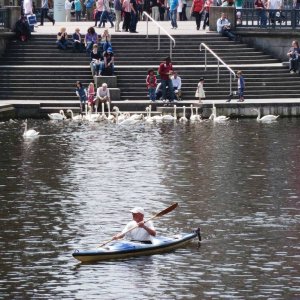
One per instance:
(143, 231)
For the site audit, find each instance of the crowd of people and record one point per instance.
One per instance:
(102, 11)
(97, 47)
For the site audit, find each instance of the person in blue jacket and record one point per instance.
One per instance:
(81, 93)
(241, 85)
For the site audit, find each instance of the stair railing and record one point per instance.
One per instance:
(158, 36)
(219, 61)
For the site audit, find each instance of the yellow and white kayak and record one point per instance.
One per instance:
(125, 249)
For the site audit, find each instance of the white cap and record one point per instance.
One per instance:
(138, 210)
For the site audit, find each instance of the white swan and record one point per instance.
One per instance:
(103, 116)
(168, 118)
(121, 116)
(57, 116)
(110, 117)
(183, 119)
(137, 117)
(195, 117)
(29, 133)
(266, 118)
(214, 117)
(89, 116)
(74, 118)
(148, 118)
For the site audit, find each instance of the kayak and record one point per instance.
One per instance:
(125, 249)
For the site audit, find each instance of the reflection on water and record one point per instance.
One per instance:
(73, 187)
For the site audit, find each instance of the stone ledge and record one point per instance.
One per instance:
(110, 80)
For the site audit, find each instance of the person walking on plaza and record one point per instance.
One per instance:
(261, 12)
(68, 7)
(105, 14)
(173, 13)
(197, 9)
(89, 5)
(118, 12)
(133, 16)
(44, 12)
(155, 10)
(207, 5)
(165, 70)
(78, 10)
(127, 15)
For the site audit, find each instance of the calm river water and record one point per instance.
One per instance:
(73, 186)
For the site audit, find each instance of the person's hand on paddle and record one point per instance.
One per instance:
(117, 236)
(141, 224)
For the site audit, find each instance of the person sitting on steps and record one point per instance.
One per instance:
(224, 27)
(109, 67)
(294, 57)
(105, 40)
(176, 81)
(97, 64)
(102, 95)
(78, 45)
(62, 39)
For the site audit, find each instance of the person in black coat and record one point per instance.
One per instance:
(22, 29)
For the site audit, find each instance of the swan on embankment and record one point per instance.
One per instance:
(216, 118)
(266, 118)
(57, 116)
(29, 133)
(149, 118)
(167, 118)
(194, 117)
(183, 119)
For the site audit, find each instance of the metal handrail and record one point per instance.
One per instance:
(219, 61)
(160, 27)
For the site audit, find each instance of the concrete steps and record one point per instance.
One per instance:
(37, 70)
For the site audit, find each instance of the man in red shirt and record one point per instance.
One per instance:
(165, 71)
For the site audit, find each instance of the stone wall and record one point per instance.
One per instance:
(275, 43)
(4, 39)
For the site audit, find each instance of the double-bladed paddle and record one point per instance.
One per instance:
(160, 214)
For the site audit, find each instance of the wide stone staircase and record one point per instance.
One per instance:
(37, 70)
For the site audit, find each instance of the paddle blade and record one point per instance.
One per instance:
(167, 210)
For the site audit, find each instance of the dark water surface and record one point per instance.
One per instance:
(73, 187)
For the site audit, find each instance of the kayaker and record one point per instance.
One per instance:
(142, 233)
